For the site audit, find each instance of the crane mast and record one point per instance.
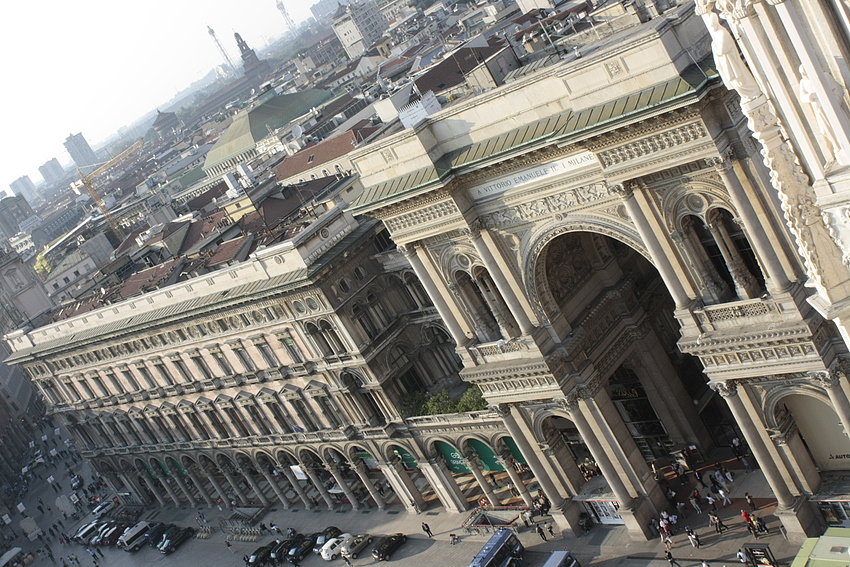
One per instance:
(88, 182)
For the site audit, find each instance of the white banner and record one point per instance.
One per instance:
(299, 474)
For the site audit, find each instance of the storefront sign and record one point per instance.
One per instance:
(537, 173)
(454, 459)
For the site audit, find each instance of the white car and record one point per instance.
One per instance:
(333, 546)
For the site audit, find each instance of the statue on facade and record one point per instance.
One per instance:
(808, 96)
(732, 69)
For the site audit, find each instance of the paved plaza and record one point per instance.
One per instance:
(602, 546)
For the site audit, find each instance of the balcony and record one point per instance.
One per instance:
(751, 312)
(500, 350)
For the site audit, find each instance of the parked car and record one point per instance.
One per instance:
(76, 482)
(166, 537)
(333, 547)
(177, 539)
(301, 546)
(111, 538)
(154, 536)
(280, 550)
(102, 509)
(86, 532)
(385, 547)
(355, 545)
(261, 555)
(105, 533)
(328, 533)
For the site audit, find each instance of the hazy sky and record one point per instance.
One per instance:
(92, 66)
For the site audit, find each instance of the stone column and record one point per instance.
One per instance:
(277, 491)
(729, 392)
(659, 256)
(165, 484)
(182, 485)
(361, 471)
(254, 486)
(507, 463)
(415, 254)
(755, 233)
(472, 463)
(221, 493)
(745, 283)
(402, 485)
(444, 485)
(129, 483)
(317, 482)
(296, 486)
(830, 380)
(201, 488)
(240, 494)
(152, 487)
(498, 276)
(340, 480)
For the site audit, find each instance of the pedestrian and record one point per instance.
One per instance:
(229, 546)
(730, 476)
(742, 557)
(246, 559)
(746, 516)
(415, 507)
(99, 552)
(670, 559)
(747, 466)
(695, 504)
(345, 559)
(693, 538)
(704, 564)
(427, 529)
(540, 533)
(674, 522)
(668, 543)
(752, 529)
(548, 526)
(709, 499)
(264, 527)
(453, 539)
(528, 518)
(750, 501)
(724, 497)
(680, 506)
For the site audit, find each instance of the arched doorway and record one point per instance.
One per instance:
(819, 428)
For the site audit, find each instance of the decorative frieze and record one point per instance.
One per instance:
(563, 202)
(655, 143)
(420, 216)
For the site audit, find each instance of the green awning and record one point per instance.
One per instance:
(454, 460)
(515, 452)
(177, 466)
(486, 454)
(407, 459)
(165, 470)
(150, 470)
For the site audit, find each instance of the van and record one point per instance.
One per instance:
(85, 533)
(134, 537)
(561, 559)
(102, 509)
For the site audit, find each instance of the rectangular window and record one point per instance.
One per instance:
(293, 350)
(115, 383)
(268, 354)
(163, 371)
(202, 367)
(128, 376)
(87, 389)
(73, 390)
(100, 385)
(183, 370)
(245, 359)
(146, 374)
(222, 363)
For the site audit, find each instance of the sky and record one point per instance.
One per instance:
(93, 66)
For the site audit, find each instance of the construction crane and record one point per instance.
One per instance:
(88, 182)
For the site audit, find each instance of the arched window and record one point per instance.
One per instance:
(409, 301)
(331, 337)
(364, 319)
(415, 288)
(319, 339)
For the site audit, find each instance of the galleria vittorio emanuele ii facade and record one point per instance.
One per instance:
(630, 253)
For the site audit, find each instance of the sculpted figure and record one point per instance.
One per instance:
(731, 67)
(810, 97)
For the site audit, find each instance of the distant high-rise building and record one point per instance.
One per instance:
(52, 171)
(23, 186)
(358, 25)
(324, 10)
(286, 17)
(252, 65)
(80, 151)
(13, 211)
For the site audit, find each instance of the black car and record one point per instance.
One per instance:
(177, 539)
(280, 550)
(299, 550)
(261, 555)
(328, 533)
(154, 535)
(385, 547)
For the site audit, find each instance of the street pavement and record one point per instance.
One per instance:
(602, 546)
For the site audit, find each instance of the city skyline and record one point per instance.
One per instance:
(140, 63)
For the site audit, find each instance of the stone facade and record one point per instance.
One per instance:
(606, 249)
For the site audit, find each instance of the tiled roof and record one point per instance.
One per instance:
(231, 250)
(148, 280)
(315, 155)
(200, 229)
(451, 71)
(205, 198)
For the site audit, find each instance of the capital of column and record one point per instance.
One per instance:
(475, 228)
(569, 403)
(827, 379)
(408, 249)
(721, 163)
(502, 410)
(625, 191)
(725, 389)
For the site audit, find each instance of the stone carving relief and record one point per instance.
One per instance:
(560, 203)
(421, 216)
(566, 266)
(643, 147)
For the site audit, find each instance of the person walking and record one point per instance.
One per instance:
(548, 526)
(670, 559)
(668, 542)
(747, 466)
(750, 501)
(762, 525)
(427, 529)
(693, 538)
(229, 546)
(346, 560)
(695, 504)
(724, 497)
(540, 532)
(709, 499)
(742, 557)
(746, 516)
